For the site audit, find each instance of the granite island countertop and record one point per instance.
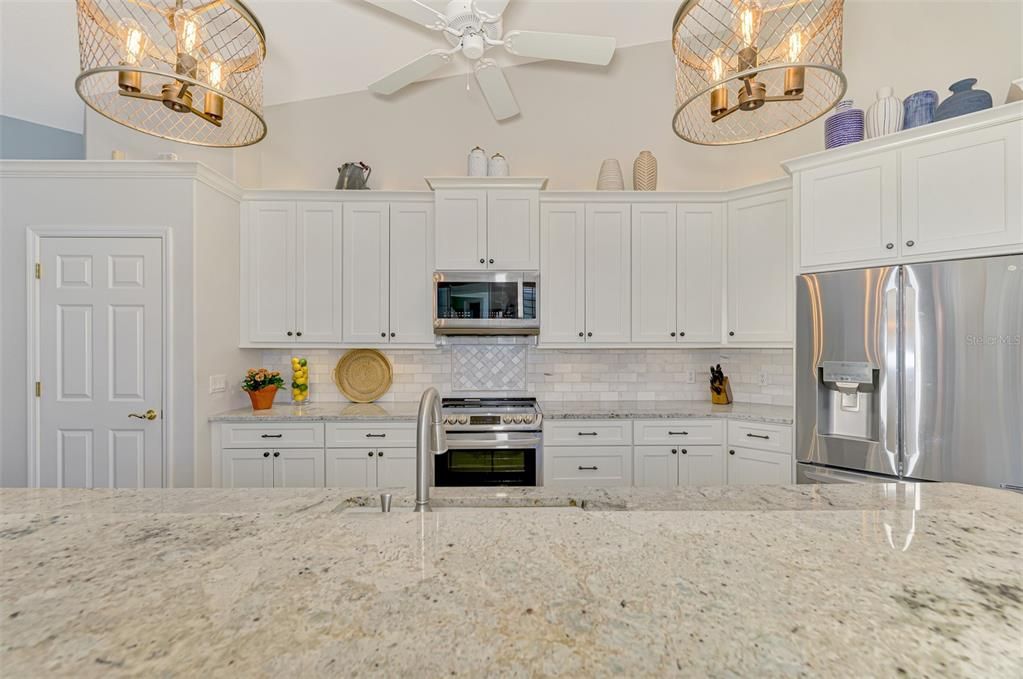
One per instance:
(872, 580)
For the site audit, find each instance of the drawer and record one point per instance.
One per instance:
(594, 466)
(587, 432)
(772, 437)
(272, 434)
(693, 432)
(377, 435)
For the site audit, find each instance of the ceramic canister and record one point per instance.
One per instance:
(885, 115)
(964, 100)
(477, 162)
(498, 166)
(844, 126)
(918, 109)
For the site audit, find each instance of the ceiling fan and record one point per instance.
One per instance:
(473, 27)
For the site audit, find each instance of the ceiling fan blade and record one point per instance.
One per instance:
(584, 49)
(490, 9)
(495, 89)
(411, 72)
(413, 10)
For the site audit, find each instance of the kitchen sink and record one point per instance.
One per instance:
(442, 509)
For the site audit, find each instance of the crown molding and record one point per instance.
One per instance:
(535, 183)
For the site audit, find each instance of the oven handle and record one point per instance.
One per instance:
(492, 444)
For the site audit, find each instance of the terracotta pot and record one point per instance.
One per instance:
(263, 399)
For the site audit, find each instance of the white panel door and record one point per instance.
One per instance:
(849, 211)
(760, 278)
(701, 255)
(246, 468)
(269, 265)
(396, 467)
(608, 273)
(701, 466)
(366, 272)
(963, 192)
(747, 466)
(654, 277)
(513, 230)
(351, 468)
(100, 362)
(318, 273)
(298, 468)
(562, 273)
(461, 230)
(411, 266)
(656, 466)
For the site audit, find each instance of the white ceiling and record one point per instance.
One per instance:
(316, 48)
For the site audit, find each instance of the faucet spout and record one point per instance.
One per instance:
(430, 440)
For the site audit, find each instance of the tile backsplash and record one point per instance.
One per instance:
(561, 375)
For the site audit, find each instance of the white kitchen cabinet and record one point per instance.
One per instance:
(748, 466)
(702, 466)
(366, 272)
(587, 432)
(963, 191)
(563, 273)
(587, 466)
(608, 273)
(760, 279)
(667, 466)
(411, 268)
(298, 468)
(849, 211)
(654, 273)
(461, 229)
(513, 229)
(655, 466)
(246, 468)
(272, 468)
(396, 467)
(318, 273)
(370, 467)
(700, 261)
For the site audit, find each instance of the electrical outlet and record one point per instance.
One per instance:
(765, 379)
(218, 384)
(690, 376)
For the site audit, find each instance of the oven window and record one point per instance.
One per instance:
(485, 300)
(462, 461)
(486, 468)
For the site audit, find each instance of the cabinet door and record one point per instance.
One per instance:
(608, 273)
(654, 274)
(351, 468)
(701, 466)
(366, 263)
(411, 286)
(593, 466)
(298, 468)
(318, 273)
(396, 467)
(246, 468)
(963, 192)
(747, 466)
(461, 230)
(562, 273)
(760, 279)
(513, 230)
(655, 466)
(269, 271)
(701, 260)
(849, 212)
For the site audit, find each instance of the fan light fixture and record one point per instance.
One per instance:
(751, 69)
(186, 70)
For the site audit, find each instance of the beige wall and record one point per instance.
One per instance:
(574, 116)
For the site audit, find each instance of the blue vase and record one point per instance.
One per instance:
(964, 100)
(919, 108)
(844, 126)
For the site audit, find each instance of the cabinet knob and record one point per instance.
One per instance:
(392, 334)
(483, 261)
(266, 454)
(890, 246)
(277, 453)
(380, 453)
(491, 260)
(674, 451)
(910, 243)
(731, 452)
(684, 451)
(299, 333)
(370, 453)
(290, 333)
(672, 334)
(581, 334)
(731, 333)
(589, 334)
(383, 334)
(681, 334)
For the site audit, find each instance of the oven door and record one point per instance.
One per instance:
(490, 459)
(486, 303)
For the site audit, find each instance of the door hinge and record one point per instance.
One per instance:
(39, 389)
(39, 270)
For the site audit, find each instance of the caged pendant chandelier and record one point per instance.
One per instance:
(185, 70)
(751, 69)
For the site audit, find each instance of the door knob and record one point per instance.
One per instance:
(148, 415)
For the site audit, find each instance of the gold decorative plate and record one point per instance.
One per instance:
(363, 375)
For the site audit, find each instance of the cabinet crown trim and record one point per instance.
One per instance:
(437, 183)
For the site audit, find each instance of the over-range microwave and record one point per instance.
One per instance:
(486, 303)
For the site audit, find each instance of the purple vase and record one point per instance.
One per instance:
(844, 126)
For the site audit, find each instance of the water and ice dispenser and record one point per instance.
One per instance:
(848, 400)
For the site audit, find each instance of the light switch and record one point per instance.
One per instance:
(218, 384)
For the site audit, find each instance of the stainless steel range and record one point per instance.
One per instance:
(491, 442)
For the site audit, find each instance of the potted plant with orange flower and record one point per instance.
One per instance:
(261, 385)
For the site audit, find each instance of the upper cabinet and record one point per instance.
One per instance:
(461, 229)
(513, 229)
(948, 189)
(608, 273)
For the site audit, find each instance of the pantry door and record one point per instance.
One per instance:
(100, 353)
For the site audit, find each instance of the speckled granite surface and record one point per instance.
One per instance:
(646, 410)
(322, 412)
(822, 581)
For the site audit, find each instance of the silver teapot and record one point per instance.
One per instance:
(352, 176)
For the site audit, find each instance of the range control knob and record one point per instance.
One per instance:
(463, 419)
(506, 419)
(449, 420)
(518, 419)
(528, 419)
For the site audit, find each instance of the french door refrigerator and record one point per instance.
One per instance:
(912, 371)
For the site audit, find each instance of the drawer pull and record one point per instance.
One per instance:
(678, 433)
(592, 469)
(587, 433)
(376, 436)
(758, 436)
(271, 436)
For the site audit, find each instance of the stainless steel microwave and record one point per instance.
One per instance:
(486, 303)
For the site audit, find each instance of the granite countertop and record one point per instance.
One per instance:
(323, 412)
(872, 580)
(643, 410)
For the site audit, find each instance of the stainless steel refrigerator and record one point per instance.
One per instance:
(912, 371)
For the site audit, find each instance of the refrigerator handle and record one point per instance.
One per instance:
(910, 385)
(891, 394)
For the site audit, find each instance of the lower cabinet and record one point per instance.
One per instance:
(670, 466)
(371, 468)
(748, 466)
(582, 466)
(271, 468)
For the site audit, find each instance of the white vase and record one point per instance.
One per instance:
(610, 178)
(477, 162)
(885, 115)
(644, 172)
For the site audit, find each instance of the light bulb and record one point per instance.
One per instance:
(749, 23)
(717, 69)
(134, 42)
(795, 43)
(216, 72)
(186, 30)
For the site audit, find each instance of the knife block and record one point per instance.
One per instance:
(725, 397)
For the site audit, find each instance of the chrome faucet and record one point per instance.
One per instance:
(430, 440)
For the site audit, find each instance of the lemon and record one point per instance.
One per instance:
(301, 380)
